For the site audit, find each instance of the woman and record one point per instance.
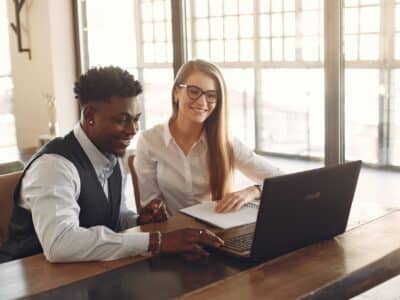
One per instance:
(191, 158)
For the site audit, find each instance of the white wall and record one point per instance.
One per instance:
(48, 31)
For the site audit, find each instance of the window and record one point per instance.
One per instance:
(272, 55)
(262, 50)
(371, 34)
(7, 120)
(137, 36)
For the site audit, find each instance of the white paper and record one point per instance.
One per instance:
(205, 212)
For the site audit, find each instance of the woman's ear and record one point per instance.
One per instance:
(176, 95)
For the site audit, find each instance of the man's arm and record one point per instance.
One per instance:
(50, 189)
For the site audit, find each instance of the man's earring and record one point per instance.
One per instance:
(90, 122)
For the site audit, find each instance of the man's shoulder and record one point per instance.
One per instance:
(51, 163)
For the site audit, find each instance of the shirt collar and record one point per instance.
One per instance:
(100, 162)
(168, 136)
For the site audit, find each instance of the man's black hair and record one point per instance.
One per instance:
(102, 83)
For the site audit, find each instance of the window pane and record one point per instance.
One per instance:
(157, 101)
(148, 52)
(5, 66)
(232, 50)
(202, 29)
(201, 8)
(159, 32)
(289, 5)
(290, 24)
(147, 32)
(277, 29)
(265, 29)
(395, 124)
(240, 83)
(351, 47)
(362, 91)
(310, 23)
(310, 48)
(161, 53)
(397, 46)
(169, 34)
(202, 50)
(246, 26)
(7, 120)
(147, 11)
(277, 49)
(351, 20)
(290, 49)
(369, 46)
(397, 17)
(111, 23)
(216, 24)
(230, 7)
(369, 19)
(293, 118)
(276, 5)
(158, 11)
(369, 2)
(351, 3)
(246, 50)
(216, 8)
(310, 4)
(264, 5)
(265, 50)
(217, 51)
(246, 7)
(231, 27)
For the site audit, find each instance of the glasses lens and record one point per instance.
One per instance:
(193, 92)
(211, 97)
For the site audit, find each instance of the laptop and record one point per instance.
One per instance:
(296, 210)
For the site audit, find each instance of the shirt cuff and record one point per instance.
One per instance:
(138, 242)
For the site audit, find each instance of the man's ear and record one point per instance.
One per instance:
(89, 111)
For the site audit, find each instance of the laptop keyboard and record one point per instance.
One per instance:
(240, 243)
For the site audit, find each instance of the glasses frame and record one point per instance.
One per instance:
(186, 86)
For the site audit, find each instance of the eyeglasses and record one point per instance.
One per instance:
(194, 93)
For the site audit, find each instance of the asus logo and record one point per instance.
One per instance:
(312, 196)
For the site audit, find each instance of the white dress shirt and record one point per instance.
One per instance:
(165, 171)
(50, 190)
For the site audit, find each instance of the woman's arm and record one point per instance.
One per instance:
(253, 166)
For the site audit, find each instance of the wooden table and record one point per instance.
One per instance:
(347, 265)
(336, 269)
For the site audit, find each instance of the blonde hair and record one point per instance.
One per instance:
(220, 152)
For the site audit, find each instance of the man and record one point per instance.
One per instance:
(69, 201)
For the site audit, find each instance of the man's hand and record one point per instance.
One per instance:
(189, 241)
(153, 212)
(234, 201)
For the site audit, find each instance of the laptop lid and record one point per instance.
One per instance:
(299, 209)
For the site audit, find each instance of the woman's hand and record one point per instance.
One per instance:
(153, 212)
(234, 201)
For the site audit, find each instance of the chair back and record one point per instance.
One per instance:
(10, 167)
(8, 183)
(131, 160)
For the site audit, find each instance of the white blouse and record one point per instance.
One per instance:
(165, 171)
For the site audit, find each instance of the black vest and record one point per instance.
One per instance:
(95, 208)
